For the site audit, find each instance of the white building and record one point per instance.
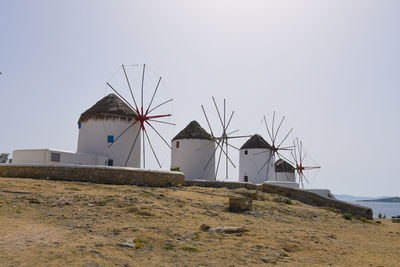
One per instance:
(256, 161)
(100, 141)
(284, 171)
(108, 128)
(193, 153)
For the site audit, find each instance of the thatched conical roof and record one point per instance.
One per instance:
(256, 141)
(283, 166)
(110, 107)
(193, 131)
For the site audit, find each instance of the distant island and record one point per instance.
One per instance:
(389, 199)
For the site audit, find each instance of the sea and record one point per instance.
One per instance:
(385, 208)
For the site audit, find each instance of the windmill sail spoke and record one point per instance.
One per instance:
(312, 168)
(154, 94)
(163, 103)
(219, 160)
(258, 153)
(230, 119)
(219, 115)
(233, 147)
(222, 148)
(165, 122)
(215, 149)
(285, 138)
(272, 128)
(305, 154)
(265, 164)
(129, 85)
(266, 125)
(121, 134)
(208, 122)
(279, 126)
(294, 150)
(152, 149)
(305, 178)
(233, 132)
(226, 160)
(144, 69)
(144, 151)
(130, 152)
(158, 116)
(225, 115)
(283, 157)
(239, 136)
(126, 102)
(203, 146)
(158, 134)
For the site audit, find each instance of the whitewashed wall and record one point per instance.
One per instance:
(191, 158)
(286, 176)
(93, 136)
(43, 156)
(250, 165)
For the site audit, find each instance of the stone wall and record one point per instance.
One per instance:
(93, 174)
(313, 199)
(306, 197)
(219, 184)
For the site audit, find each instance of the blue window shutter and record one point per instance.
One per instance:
(79, 125)
(110, 139)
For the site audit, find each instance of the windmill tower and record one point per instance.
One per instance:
(191, 150)
(304, 163)
(100, 124)
(277, 142)
(253, 155)
(126, 119)
(285, 172)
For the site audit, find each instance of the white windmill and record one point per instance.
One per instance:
(188, 158)
(129, 130)
(222, 143)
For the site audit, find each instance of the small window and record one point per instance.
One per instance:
(177, 144)
(79, 125)
(55, 157)
(246, 178)
(110, 162)
(110, 139)
(246, 152)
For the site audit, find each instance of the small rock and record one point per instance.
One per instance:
(144, 213)
(269, 260)
(127, 244)
(240, 203)
(61, 203)
(205, 227)
(228, 230)
(178, 185)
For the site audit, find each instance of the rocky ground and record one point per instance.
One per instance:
(53, 223)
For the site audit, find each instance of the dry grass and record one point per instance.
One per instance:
(107, 225)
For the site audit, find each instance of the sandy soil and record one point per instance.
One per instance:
(52, 223)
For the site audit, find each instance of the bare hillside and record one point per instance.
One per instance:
(53, 223)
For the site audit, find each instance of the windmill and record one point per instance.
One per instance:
(222, 141)
(302, 161)
(276, 142)
(139, 81)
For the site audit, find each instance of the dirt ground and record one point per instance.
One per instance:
(53, 223)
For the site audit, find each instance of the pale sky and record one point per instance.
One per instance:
(332, 67)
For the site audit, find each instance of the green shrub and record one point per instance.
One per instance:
(175, 169)
(347, 216)
(190, 249)
(365, 220)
